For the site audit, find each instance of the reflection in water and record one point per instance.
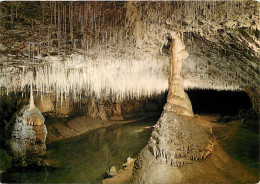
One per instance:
(87, 157)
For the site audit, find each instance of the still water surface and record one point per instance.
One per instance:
(85, 158)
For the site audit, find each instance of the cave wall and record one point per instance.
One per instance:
(105, 108)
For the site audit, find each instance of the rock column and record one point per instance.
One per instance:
(177, 100)
(176, 139)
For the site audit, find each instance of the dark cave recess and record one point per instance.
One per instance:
(218, 102)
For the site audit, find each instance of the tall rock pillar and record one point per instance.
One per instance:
(177, 100)
(176, 139)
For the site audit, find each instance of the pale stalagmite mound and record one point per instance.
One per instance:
(29, 132)
(209, 166)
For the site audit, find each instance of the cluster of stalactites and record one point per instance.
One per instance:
(213, 65)
(88, 26)
(109, 28)
(204, 18)
(95, 26)
(80, 76)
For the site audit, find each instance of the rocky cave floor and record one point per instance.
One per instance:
(235, 157)
(236, 151)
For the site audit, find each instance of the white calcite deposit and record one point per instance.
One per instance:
(176, 138)
(29, 132)
(101, 49)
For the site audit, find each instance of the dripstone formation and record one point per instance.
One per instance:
(29, 132)
(176, 139)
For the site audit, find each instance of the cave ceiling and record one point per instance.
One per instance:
(121, 48)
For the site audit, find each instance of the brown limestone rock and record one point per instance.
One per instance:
(116, 112)
(45, 104)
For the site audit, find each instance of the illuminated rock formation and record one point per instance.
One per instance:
(29, 132)
(177, 100)
(176, 139)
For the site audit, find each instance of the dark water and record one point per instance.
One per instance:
(85, 158)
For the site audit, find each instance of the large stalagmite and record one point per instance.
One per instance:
(29, 132)
(176, 140)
